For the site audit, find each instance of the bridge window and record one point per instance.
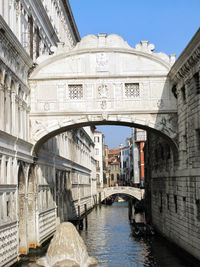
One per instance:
(75, 91)
(132, 90)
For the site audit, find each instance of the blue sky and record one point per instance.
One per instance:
(169, 24)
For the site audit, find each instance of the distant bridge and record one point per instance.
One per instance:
(125, 190)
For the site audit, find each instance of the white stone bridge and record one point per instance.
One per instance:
(102, 81)
(124, 190)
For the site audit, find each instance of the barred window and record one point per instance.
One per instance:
(132, 90)
(75, 91)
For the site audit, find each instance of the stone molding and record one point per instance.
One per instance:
(187, 60)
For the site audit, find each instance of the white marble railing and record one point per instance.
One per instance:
(47, 223)
(8, 243)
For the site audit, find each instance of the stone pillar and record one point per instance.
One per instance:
(16, 115)
(13, 115)
(3, 169)
(2, 99)
(20, 119)
(9, 171)
(7, 109)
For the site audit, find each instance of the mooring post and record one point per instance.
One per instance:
(80, 222)
(100, 199)
(130, 209)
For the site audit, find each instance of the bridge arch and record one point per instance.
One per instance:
(125, 190)
(102, 81)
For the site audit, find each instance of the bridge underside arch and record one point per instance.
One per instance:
(48, 129)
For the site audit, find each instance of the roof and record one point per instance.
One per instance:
(114, 151)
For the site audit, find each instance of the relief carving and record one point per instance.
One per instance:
(103, 104)
(102, 62)
(103, 91)
(167, 124)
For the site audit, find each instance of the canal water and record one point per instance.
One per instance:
(109, 239)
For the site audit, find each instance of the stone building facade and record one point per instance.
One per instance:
(59, 181)
(36, 192)
(99, 157)
(174, 176)
(113, 166)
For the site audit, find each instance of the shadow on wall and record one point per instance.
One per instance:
(161, 162)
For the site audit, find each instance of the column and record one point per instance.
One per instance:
(3, 169)
(16, 130)
(13, 115)
(2, 108)
(20, 119)
(9, 171)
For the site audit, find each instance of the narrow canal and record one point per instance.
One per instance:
(109, 239)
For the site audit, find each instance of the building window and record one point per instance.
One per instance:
(30, 21)
(160, 208)
(168, 154)
(132, 90)
(183, 93)
(96, 139)
(96, 151)
(75, 91)
(168, 201)
(175, 203)
(112, 177)
(198, 209)
(37, 42)
(197, 82)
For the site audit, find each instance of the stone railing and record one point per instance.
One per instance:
(8, 243)
(47, 223)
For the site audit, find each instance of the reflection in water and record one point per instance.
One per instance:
(109, 239)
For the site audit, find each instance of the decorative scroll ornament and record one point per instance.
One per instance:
(104, 104)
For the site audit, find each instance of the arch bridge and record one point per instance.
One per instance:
(125, 190)
(102, 81)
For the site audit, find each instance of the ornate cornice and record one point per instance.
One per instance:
(71, 20)
(187, 60)
(14, 44)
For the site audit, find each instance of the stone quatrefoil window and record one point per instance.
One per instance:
(132, 90)
(75, 91)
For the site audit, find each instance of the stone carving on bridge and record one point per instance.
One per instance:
(144, 46)
(46, 106)
(103, 91)
(160, 103)
(103, 104)
(167, 124)
(102, 62)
